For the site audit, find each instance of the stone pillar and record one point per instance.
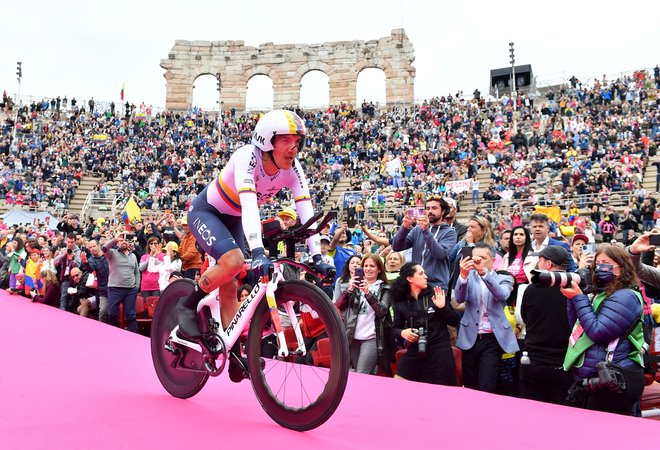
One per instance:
(179, 92)
(399, 90)
(286, 92)
(233, 93)
(343, 88)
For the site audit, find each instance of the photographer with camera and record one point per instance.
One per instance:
(485, 332)
(605, 345)
(421, 316)
(543, 310)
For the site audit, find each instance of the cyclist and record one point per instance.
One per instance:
(227, 211)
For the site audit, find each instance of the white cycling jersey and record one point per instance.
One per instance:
(243, 185)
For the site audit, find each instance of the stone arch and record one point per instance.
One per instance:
(315, 65)
(365, 85)
(260, 70)
(311, 95)
(210, 89)
(286, 64)
(385, 66)
(251, 103)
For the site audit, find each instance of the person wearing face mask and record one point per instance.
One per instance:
(607, 338)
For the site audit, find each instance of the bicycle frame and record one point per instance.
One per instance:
(246, 310)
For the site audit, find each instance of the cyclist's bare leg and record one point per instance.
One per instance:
(229, 301)
(226, 268)
(225, 271)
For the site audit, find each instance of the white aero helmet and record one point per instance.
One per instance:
(278, 121)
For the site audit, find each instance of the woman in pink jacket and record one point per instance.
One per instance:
(149, 285)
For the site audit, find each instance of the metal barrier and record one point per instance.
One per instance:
(101, 201)
(616, 199)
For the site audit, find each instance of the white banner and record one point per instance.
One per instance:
(459, 186)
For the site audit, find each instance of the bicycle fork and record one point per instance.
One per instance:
(283, 350)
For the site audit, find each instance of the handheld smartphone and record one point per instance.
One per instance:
(589, 248)
(359, 274)
(466, 251)
(415, 212)
(654, 239)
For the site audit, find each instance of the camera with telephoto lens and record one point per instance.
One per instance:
(610, 378)
(547, 278)
(422, 341)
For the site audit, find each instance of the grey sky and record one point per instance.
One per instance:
(87, 48)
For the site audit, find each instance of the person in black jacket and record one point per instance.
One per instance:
(80, 298)
(97, 264)
(69, 225)
(421, 313)
(628, 225)
(544, 312)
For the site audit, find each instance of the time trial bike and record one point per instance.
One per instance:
(301, 384)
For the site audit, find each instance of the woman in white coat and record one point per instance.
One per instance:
(170, 263)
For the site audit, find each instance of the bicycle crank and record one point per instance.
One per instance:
(213, 350)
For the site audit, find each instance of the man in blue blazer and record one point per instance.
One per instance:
(484, 333)
(540, 230)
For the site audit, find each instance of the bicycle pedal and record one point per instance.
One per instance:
(237, 368)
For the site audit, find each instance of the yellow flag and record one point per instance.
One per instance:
(553, 212)
(131, 212)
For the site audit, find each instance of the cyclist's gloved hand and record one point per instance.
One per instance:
(321, 267)
(260, 262)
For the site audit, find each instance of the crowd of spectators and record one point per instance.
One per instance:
(580, 140)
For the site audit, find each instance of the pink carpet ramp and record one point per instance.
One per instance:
(73, 383)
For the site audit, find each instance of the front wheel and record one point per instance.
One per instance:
(179, 369)
(300, 392)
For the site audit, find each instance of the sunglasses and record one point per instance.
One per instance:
(434, 198)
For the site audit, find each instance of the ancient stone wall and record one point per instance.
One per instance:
(234, 64)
